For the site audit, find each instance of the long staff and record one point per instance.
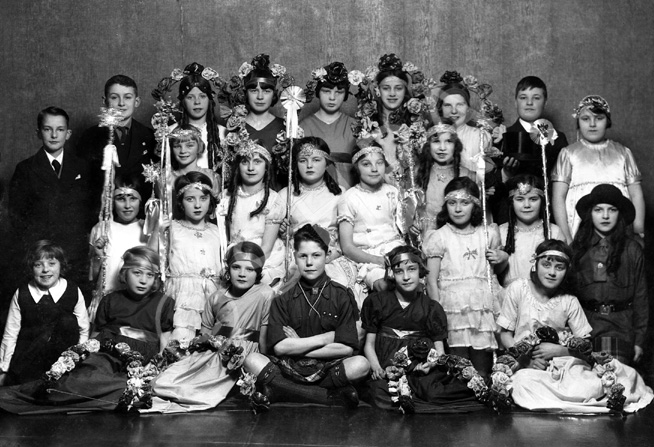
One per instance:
(544, 134)
(481, 171)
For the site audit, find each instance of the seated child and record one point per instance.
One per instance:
(46, 316)
(556, 374)
(312, 335)
(400, 317)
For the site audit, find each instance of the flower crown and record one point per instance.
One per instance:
(166, 84)
(592, 101)
(334, 73)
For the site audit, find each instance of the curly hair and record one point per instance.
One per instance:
(426, 161)
(332, 185)
(405, 249)
(194, 177)
(557, 245)
(471, 188)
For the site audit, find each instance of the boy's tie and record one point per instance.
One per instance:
(57, 167)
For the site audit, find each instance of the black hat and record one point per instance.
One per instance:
(611, 195)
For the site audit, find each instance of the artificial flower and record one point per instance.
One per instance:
(355, 77)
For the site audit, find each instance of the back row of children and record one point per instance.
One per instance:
(362, 221)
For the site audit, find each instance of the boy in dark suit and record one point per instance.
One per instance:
(49, 195)
(134, 142)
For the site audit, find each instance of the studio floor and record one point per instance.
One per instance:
(319, 426)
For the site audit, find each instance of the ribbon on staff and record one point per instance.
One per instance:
(293, 99)
(543, 133)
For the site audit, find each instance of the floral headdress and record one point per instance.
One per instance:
(461, 194)
(166, 84)
(190, 132)
(195, 185)
(592, 101)
(309, 150)
(334, 73)
(249, 148)
(439, 129)
(525, 188)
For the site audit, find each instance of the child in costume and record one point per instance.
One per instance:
(526, 226)
(591, 161)
(251, 211)
(125, 231)
(314, 200)
(366, 221)
(439, 163)
(458, 275)
(331, 87)
(132, 325)
(546, 330)
(609, 274)
(195, 259)
(405, 316)
(46, 315)
(312, 335)
(239, 311)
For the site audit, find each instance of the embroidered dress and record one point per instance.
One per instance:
(246, 228)
(201, 381)
(526, 242)
(372, 214)
(338, 136)
(396, 327)
(464, 292)
(584, 165)
(121, 238)
(569, 384)
(318, 205)
(195, 261)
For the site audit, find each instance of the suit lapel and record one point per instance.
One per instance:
(43, 168)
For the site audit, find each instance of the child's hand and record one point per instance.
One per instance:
(283, 228)
(423, 367)
(377, 372)
(415, 230)
(509, 166)
(99, 244)
(496, 256)
(164, 223)
(490, 192)
(290, 332)
(538, 364)
(547, 351)
(3, 378)
(638, 353)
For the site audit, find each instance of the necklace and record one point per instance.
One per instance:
(242, 193)
(537, 227)
(198, 231)
(304, 188)
(306, 298)
(442, 177)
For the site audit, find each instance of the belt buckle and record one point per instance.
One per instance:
(605, 309)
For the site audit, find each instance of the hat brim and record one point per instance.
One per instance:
(602, 195)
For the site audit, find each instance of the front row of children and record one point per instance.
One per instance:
(302, 346)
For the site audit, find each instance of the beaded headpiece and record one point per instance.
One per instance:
(189, 132)
(309, 150)
(461, 194)
(367, 151)
(249, 148)
(526, 188)
(439, 129)
(402, 257)
(548, 253)
(196, 185)
(126, 191)
(594, 101)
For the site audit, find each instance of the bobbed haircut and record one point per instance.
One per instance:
(422, 269)
(264, 85)
(45, 249)
(194, 177)
(555, 244)
(245, 247)
(143, 255)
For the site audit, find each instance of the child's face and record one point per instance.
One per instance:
(126, 207)
(54, 133)
(460, 210)
(46, 272)
(527, 207)
(455, 108)
(442, 149)
(550, 273)
(139, 281)
(186, 152)
(392, 92)
(310, 259)
(605, 218)
(260, 99)
(592, 126)
(311, 168)
(196, 104)
(196, 205)
(242, 276)
(122, 98)
(407, 276)
(372, 168)
(331, 99)
(530, 104)
(252, 170)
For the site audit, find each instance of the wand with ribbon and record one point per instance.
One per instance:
(543, 133)
(481, 179)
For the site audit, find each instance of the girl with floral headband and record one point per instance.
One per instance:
(458, 277)
(591, 161)
(544, 328)
(195, 253)
(367, 222)
(331, 86)
(314, 199)
(251, 211)
(526, 226)
(239, 312)
(406, 317)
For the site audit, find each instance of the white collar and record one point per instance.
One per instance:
(55, 291)
(526, 125)
(59, 158)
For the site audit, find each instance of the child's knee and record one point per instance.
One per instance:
(255, 362)
(356, 367)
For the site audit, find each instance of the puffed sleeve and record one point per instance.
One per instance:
(437, 322)
(563, 169)
(509, 313)
(371, 313)
(577, 318)
(276, 210)
(433, 246)
(631, 173)
(346, 210)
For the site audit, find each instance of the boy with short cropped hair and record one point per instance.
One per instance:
(312, 333)
(135, 143)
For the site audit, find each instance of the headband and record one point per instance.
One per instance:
(525, 188)
(367, 151)
(557, 253)
(399, 258)
(256, 261)
(439, 129)
(125, 190)
(139, 262)
(460, 194)
(197, 185)
(191, 132)
(250, 148)
(261, 80)
(592, 101)
(309, 150)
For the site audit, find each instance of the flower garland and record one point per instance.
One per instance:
(247, 383)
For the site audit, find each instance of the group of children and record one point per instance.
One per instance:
(366, 295)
